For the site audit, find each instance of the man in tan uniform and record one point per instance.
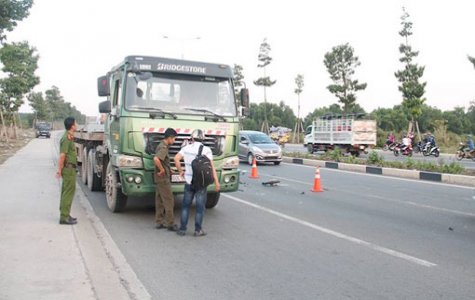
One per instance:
(67, 169)
(164, 201)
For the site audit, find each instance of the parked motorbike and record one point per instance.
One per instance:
(430, 150)
(464, 152)
(399, 150)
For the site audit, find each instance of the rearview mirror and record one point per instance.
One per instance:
(103, 86)
(105, 107)
(143, 76)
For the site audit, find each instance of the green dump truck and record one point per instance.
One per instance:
(146, 95)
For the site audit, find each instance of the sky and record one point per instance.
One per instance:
(79, 41)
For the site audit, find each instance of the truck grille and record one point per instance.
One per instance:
(214, 142)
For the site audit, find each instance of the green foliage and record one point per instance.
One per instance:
(278, 115)
(375, 159)
(472, 60)
(39, 105)
(264, 60)
(299, 83)
(341, 63)
(10, 13)
(19, 65)
(238, 79)
(412, 90)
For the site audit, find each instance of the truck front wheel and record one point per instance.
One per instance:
(116, 200)
(212, 200)
(94, 182)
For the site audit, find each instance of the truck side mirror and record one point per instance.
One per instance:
(103, 88)
(245, 102)
(105, 107)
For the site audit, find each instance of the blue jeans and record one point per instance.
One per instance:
(200, 196)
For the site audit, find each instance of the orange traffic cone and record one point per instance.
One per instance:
(317, 187)
(254, 169)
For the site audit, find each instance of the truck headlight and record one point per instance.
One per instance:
(126, 161)
(231, 162)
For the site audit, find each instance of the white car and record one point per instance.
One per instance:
(259, 145)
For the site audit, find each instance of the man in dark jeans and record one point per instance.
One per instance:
(189, 153)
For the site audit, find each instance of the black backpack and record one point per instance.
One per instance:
(202, 171)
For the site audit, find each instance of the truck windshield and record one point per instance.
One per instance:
(178, 93)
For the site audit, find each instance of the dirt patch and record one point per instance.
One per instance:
(9, 148)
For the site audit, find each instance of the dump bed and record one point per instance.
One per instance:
(344, 131)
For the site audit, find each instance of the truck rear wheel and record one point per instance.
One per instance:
(84, 166)
(93, 181)
(310, 148)
(212, 200)
(116, 200)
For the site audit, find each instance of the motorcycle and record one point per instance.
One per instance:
(464, 152)
(430, 150)
(389, 146)
(418, 147)
(398, 150)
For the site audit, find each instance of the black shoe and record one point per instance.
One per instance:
(68, 221)
(200, 233)
(160, 226)
(172, 227)
(73, 218)
(181, 232)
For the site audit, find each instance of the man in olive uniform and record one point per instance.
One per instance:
(67, 169)
(164, 201)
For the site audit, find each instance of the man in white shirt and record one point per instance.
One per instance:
(189, 153)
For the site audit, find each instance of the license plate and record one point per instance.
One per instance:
(176, 178)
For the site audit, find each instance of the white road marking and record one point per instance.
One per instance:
(372, 246)
(386, 177)
(457, 212)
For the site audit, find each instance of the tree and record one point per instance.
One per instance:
(39, 105)
(472, 60)
(238, 79)
(19, 65)
(10, 13)
(299, 82)
(264, 60)
(412, 90)
(341, 63)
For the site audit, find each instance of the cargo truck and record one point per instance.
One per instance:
(347, 133)
(146, 95)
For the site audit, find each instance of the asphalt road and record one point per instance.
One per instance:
(364, 237)
(389, 156)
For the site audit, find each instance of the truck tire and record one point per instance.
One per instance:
(310, 148)
(212, 200)
(116, 200)
(84, 166)
(93, 181)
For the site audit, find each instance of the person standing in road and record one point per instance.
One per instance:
(164, 201)
(67, 170)
(189, 153)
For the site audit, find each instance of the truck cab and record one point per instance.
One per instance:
(145, 96)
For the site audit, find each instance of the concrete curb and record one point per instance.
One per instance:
(402, 173)
(111, 269)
